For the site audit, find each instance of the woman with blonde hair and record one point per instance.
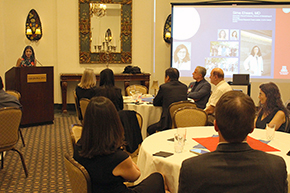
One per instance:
(85, 89)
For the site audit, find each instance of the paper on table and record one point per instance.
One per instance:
(211, 143)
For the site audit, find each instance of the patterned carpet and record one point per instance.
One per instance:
(43, 154)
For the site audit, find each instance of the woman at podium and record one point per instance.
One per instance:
(27, 59)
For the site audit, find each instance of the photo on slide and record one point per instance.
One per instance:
(256, 51)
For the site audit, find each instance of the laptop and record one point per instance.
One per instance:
(241, 79)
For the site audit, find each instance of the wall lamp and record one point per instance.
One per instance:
(167, 30)
(33, 28)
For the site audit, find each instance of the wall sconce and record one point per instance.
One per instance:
(33, 28)
(167, 30)
(154, 86)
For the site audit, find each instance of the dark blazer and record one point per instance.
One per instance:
(113, 93)
(200, 94)
(233, 168)
(168, 93)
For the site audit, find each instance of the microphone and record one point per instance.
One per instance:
(38, 62)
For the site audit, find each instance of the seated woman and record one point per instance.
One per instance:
(99, 151)
(85, 89)
(272, 110)
(107, 89)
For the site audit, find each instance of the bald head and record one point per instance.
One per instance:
(216, 75)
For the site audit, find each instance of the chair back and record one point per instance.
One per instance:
(77, 106)
(140, 119)
(189, 116)
(10, 118)
(75, 133)
(14, 93)
(177, 105)
(83, 105)
(79, 177)
(142, 89)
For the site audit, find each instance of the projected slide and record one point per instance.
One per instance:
(248, 40)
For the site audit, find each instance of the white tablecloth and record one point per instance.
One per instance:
(170, 166)
(149, 113)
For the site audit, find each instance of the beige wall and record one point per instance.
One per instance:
(59, 45)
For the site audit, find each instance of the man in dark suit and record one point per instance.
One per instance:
(7, 100)
(199, 90)
(169, 92)
(234, 166)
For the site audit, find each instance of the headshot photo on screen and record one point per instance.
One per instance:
(223, 34)
(181, 57)
(234, 34)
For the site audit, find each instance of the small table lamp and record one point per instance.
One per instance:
(154, 86)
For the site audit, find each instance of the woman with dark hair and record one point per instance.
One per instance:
(28, 58)
(272, 110)
(99, 151)
(181, 58)
(86, 88)
(254, 62)
(107, 88)
(222, 35)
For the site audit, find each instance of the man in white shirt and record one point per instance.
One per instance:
(216, 78)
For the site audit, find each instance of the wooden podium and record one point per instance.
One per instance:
(35, 84)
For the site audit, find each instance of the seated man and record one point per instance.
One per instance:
(169, 92)
(216, 78)
(234, 166)
(7, 100)
(199, 90)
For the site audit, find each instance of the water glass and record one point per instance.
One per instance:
(178, 143)
(270, 131)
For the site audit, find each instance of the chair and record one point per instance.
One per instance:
(142, 89)
(18, 96)
(78, 176)
(77, 106)
(140, 119)
(176, 105)
(14, 93)
(10, 118)
(75, 133)
(83, 105)
(189, 116)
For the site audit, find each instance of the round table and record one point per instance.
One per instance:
(170, 166)
(149, 113)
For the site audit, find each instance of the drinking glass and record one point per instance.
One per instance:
(182, 131)
(270, 132)
(178, 143)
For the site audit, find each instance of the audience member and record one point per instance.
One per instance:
(216, 78)
(234, 166)
(107, 89)
(99, 151)
(85, 89)
(199, 90)
(7, 100)
(169, 92)
(272, 110)
(28, 58)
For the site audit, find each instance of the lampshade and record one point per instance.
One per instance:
(28, 32)
(38, 31)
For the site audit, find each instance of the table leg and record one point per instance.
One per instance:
(64, 96)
